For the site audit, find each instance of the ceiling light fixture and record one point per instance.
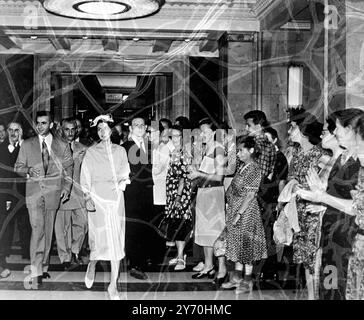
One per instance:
(33, 37)
(103, 9)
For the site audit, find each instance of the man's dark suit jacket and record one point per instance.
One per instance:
(12, 186)
(139, 192)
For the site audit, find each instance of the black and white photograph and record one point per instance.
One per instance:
(182, 150)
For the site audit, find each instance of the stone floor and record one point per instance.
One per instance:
(163, 284)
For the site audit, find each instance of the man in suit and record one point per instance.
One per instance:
(13, 193)
(11, 198)
(47, 163)
(140, 236)
(71, 220)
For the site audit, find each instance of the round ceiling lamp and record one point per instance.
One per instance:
(103, 9)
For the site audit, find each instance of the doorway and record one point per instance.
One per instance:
(124, 95)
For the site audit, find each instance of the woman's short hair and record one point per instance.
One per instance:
(249, 143)
(331, 123)
(109, 123)
(359, 126)
(309, 126)
(165, 120)
(347, 117)
(273, 132)
(209, 122)
(177, 127)
(184, 122)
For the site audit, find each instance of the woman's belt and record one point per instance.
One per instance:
(211, 184)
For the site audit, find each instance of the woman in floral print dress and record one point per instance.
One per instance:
(355, 280)
(178, 209)
(305, 130)
(338, 227)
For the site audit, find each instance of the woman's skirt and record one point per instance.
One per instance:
(210, 215)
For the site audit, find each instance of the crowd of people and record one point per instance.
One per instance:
(112, 194)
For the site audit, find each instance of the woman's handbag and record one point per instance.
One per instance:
(220, 244)
(162, 227)
(282, 231)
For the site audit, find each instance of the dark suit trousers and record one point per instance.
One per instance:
(140, 234)
(42, 223)
(4, 230)
(21, 219)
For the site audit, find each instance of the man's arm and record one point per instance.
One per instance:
(21, 164)
(67, 163)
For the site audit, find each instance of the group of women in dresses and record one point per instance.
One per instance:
(328, 211)
(326, 163)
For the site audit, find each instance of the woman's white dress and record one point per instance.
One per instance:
(103, 171)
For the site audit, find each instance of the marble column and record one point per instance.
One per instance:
(354, 54)
(238, 77)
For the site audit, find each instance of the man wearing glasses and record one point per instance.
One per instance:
(139, 200)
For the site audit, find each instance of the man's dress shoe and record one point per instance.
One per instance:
(66, 265)
(45, 275)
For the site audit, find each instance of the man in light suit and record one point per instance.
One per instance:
(71, 219)
(47, 163)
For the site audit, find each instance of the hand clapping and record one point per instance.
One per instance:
(314, 182)
(309, 195)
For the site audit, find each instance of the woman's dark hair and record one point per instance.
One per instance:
(347, 117)
(165, 120)
(94, 135)
(208, 122)
(110, 124)
(359, 126)
(309, 126)
(272, 132)
(331, 123)
(184, 122)
(249, 143)
(177, 127)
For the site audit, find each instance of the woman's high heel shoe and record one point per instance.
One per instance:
(90, 281)
(208, 274)
(112, 294)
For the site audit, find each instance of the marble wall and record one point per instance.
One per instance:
(355, 53)
(16, 89)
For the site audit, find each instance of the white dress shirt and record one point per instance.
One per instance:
(48, 140)
(11, 147)
(139, 143)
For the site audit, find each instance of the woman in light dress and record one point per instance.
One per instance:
(210, 200)
(104, 175)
